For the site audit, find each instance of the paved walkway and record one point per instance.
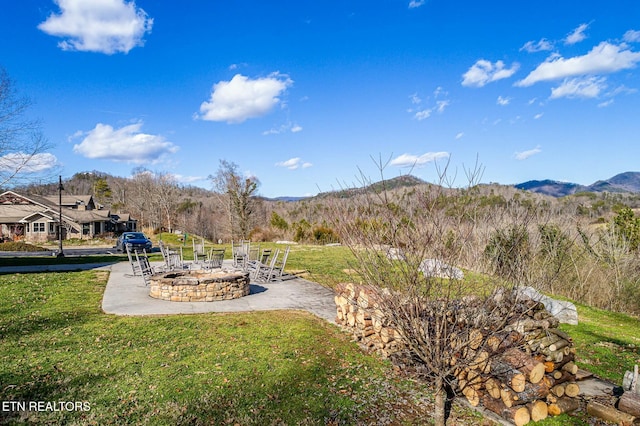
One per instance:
(128, 295)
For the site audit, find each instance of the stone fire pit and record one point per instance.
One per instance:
(199, 286)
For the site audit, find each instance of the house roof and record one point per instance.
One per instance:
(70, 200)
(16, 207)
(14, 213)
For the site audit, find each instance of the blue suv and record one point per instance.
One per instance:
(133, 240)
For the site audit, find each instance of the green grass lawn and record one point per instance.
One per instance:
(607, 343)
(251, 368)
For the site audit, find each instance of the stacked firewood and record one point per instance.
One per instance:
(529, 373)
(358, 309)
(526, 372)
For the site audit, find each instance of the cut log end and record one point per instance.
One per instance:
(538, 410)
(572, 390)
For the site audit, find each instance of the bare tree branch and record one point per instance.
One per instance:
(22, 144)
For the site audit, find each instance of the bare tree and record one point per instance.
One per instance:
(238, 194)
(22, 144)
(139, 196)
(167, 197)
(155, 197)
(408, 245)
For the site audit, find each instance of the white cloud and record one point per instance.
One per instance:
(242, 98)
(459, 135)
(27, 163)
(188, 179)
(631, 36)
(441, 105)
(603, 58)
(590, 87)
(289, 127)
(483, 72)
(526, 154)
(416, 3)
(437, 106)
(440, 92)
(294, 163)
(422, 115)
(106, 26)
(126, 144)
(622, 89)
(409, 160)
(503, 101)
(577, 35)
(424, 112)
(539, 46)
(538, 116)
(605, 103)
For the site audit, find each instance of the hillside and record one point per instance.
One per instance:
(623, 182)
(402, 181)
(551, 187)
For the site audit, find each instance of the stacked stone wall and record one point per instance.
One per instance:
(199, 287)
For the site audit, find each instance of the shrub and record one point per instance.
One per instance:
(509, 252)
(262, 234)
(302, 231)
(628, 227)
(279, 222)
(325, 235)
(554, 243)
(20, 246)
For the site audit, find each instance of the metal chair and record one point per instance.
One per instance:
(143, 265)
(240, 253)
(265, 255)
(199, 253)
(173, 259)
(257, 258)
(215, 258)
(278, 269)
(135, 266)
(264, 271)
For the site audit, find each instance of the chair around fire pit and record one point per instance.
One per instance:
(214, 258)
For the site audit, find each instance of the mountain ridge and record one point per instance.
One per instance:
(622, 182)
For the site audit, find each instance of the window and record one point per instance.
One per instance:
(52, 228)
(38, 227)
(85, 229)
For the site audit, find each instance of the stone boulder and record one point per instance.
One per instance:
(564, 311)
(395, 254)
(438, 269)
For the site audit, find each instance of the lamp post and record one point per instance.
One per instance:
(60, 188)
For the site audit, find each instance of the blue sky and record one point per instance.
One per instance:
(302, 94)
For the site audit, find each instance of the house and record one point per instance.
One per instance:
(35, 218)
